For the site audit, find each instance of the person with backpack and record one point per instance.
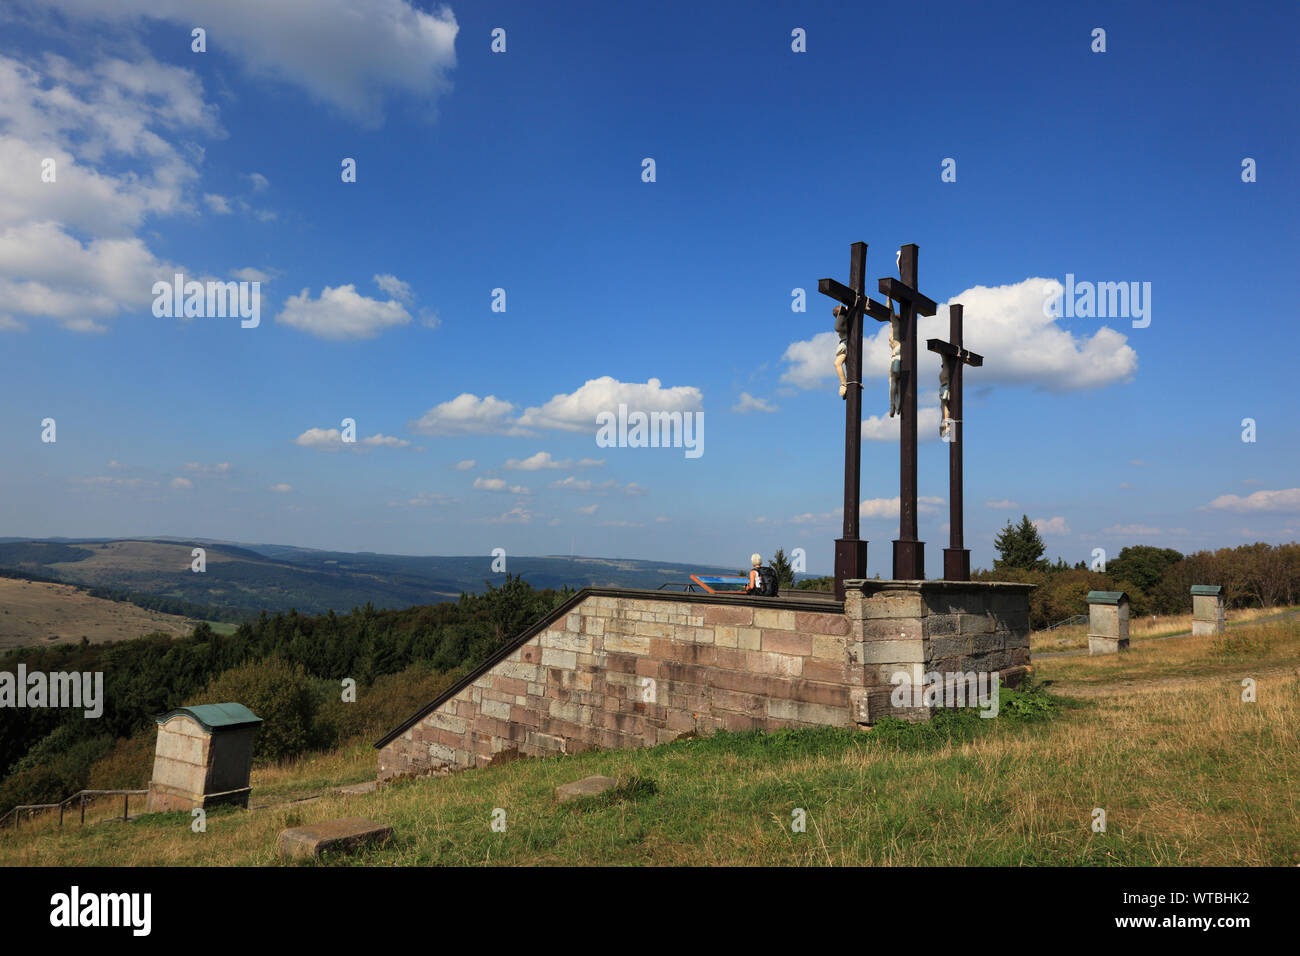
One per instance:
(762, 580)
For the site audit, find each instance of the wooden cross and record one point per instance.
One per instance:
(909, 553)
(956, 558)
(850, 551)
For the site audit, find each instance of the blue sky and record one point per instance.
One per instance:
(522, 171)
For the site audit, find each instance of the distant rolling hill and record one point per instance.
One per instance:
(244, 579)
(36, 612)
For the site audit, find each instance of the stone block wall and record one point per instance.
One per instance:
(618, 669)
(953, 627)
(618, 672)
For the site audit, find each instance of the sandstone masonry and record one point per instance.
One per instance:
(616, 668)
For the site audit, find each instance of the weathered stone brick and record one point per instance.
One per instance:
(578, 643)
(624, 644)
(565, 660)
(836, 671)
(772, 618)
(819, 692)
(786, 642)
(727, 614)
(976, 624)
(891, 629)
(799, 711)
(763, 662)
(890, 652)
(806, 622)
(829, 648)
(886, 605)
(441, 721)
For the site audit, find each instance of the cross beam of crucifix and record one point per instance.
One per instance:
(955, 357)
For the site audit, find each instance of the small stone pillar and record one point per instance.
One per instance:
(1207, 609)
(204, 757)
(1107, 622)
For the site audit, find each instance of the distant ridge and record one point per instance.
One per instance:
(247, 578)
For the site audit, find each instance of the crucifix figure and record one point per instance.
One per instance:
(956, 559)
(895, 351)
(850, 551)
(909, 553)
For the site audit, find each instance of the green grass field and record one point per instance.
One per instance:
(1160, 738)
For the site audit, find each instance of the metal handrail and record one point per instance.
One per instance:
(81, 795)
(1077, 619)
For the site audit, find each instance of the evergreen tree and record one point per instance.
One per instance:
(784, 573)
(1020, 546)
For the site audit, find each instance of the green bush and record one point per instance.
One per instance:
(281, 694)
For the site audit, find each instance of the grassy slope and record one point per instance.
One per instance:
(1159, 737)
(34, 612)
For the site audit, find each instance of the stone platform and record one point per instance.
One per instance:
(615, 668)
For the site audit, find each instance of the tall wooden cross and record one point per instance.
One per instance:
(909, 553)
(850, 551)
(956, 558)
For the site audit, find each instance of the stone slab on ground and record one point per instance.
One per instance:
(346, 834)
(367, 786)
(586, 787)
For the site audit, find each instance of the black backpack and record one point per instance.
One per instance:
(767, 582)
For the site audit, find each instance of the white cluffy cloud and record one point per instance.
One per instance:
(499, 484)
(889, 507)
(1005, 324)
(395, 287)
(340, 313)
(586, 486)
(331, 439)
(1055, 525)
(349, 53)
(1286, 500)
(884, 428)
(68, 249)
(748, 403)
(467, 414)
(537, 462)
(543, 460)
(577, 411)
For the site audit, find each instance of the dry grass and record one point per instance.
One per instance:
(36, 612)
(1160, 738)
(1142, 628)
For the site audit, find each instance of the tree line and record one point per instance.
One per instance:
(1157, 580)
